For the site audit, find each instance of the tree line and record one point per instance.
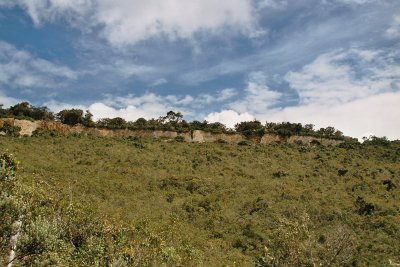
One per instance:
(172, 121)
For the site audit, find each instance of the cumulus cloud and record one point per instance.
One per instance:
(334, 77)
(148, 105)
(18, 68)
(7, 101)
(376, 114)
(130, 21)
(356, 91)
(229, 117)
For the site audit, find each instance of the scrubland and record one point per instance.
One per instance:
(89, 201)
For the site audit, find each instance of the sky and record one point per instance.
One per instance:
(326, 62)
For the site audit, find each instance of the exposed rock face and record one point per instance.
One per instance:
(6, 120)
(307, 140)
(54, 126)
(28, 127)
(202, 136)
(270, 138)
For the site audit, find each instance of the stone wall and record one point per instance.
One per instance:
(28, 127)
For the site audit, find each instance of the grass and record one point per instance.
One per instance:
(226, 204)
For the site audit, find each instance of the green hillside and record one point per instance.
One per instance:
(88, 201)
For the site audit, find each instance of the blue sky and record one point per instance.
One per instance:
(327, 62)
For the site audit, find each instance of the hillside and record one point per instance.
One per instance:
(210, 204)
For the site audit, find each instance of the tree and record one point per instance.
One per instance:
(329, 131)
(41, 113)
(198, 125)
(215, 127)
(308, 128)
(172, 117)
(87, 119)
(139, 124)
(115, 123)
(250, 128)
(21, 109)
(26, 110)
(70, 116)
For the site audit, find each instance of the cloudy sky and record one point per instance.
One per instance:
(326, 62)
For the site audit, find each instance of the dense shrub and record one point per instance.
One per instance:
(179, 138)
(250, 128)
(172, 121)
(25, 110)
(10, 129)
(8, 203)
(115, 123)
(376, 141)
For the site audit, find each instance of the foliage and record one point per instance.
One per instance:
(287, 129)
(250, 128)
(295, 243)
(8, 203)
(70, 116)
(180, 138)
(173, 203)
(172, 121)
(10, 129)
(115, 123)
(24, 110)
(376, 141)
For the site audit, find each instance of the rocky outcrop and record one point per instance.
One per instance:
(202, 136)
(306, 140)
(28, 127)
(271, 138)
(8, 121)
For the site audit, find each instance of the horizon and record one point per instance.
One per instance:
(329, 63)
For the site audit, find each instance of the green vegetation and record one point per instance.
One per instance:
(86, 201)
(173, 121)
(10, 130)
(24, 110)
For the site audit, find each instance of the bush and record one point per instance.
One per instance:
(179, 138)
(342, 172)
(243, 143)
(351, 143)
(70, 116)
(10, 130)
(377, 141)
(364, 207)
(250, 128)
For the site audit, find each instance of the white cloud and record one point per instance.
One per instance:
(7, 101)
(50, 10)
(56, 106)
(130, 21)
(377, 114)
(331, 79)
(356, 91)
(18, 68)
(148, 105)
(228, 117)
(259, 98)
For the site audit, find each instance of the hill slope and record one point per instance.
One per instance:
(224, 204)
